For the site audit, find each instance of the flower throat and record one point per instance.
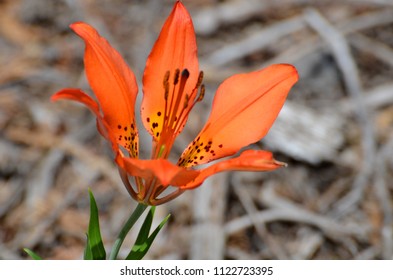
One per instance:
(178, 105)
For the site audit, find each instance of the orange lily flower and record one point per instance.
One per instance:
(244, 108)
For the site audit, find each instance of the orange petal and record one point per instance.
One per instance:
(174, 49)
(79, 96)
(113, 84)
(249, 160)
(160, 169)
(244, 109)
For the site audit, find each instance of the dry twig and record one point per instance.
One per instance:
(347, 65)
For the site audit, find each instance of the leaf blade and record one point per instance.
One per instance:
(94, 240)
(139, 250)
(145, 228)
(87, 254)
(33, 255)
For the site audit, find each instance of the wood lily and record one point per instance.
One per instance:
(244, 108)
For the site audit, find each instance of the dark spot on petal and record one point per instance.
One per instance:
(148, 119)
(119, 126)
(125, 128)
(201, 157)
(220, 146)
(159, 114)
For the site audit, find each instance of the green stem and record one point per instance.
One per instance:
(126, 228)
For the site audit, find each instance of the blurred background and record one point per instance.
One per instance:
(333, 201)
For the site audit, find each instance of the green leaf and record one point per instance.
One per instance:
(143, 234)
(135, 215)
(144, 241)
(87, 254)
(94, 240)
(33, 255)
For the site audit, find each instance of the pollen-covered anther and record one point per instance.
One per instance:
(166, 78)
(166, 84)
(201, 93)
(186, 101)
(185, 74)
(176, 77)
(200, 79)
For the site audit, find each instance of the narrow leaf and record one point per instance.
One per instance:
(33, 255)
(125, 230)
(143, 234)
(87, 254)
(94, 235)
(145, 229)
(140, 249)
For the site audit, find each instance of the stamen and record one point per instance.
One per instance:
(166, 78)
(176, 77)
(186, 101)
(166, 92)
(186, 108)
(175, 108)
(178, 104)
(185, 73)
(201, 93)
(200, 78)
(166, 85)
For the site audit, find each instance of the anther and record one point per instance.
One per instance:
(184, 76)
(201, 93)
(185, 73)
(166, 85)
(186, 101)
(166, 78)
(200, 78)
(176, 77)
(166, 92)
